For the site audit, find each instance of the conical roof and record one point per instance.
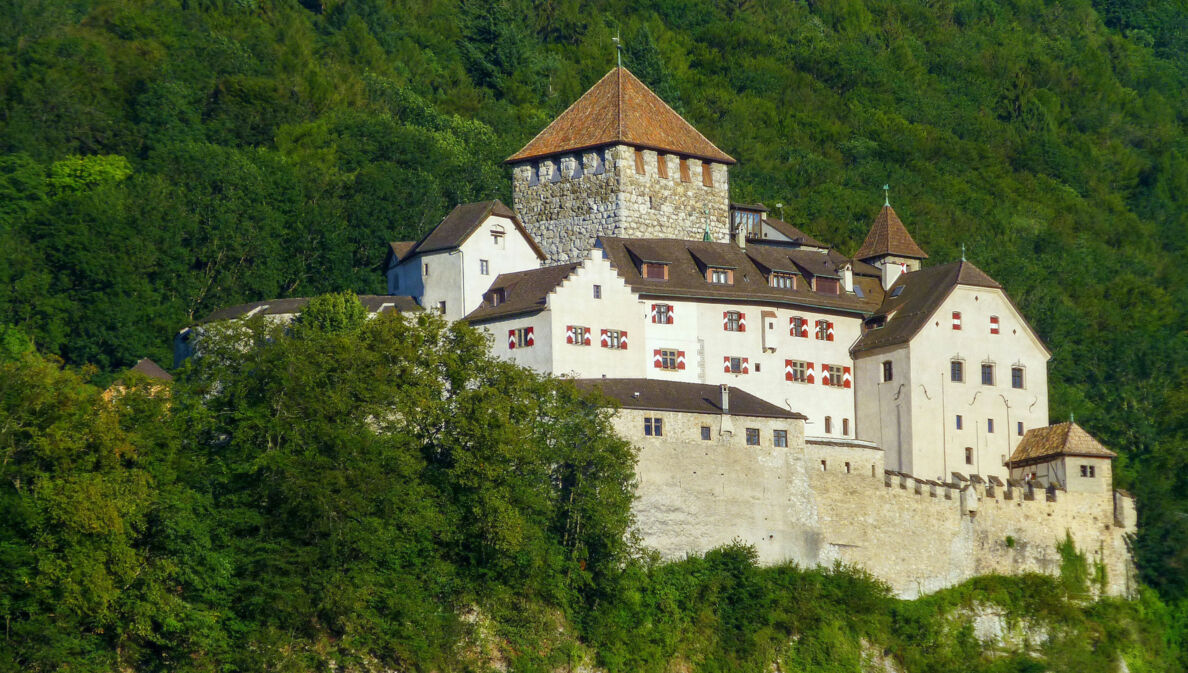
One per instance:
(888, 236)
(620, 109)
(1061, 439)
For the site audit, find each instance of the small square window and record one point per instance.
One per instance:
(847, 468)
(888, 371)
(441, 307)
(779, 438)
(753, 436)
(484, 267)
(829, 425)
(968, 455)
(705, 433)
(846, 427)
(598, 292)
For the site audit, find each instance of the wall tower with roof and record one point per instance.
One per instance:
(890, 247)
(619, 162)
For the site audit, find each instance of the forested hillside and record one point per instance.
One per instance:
(160, 160)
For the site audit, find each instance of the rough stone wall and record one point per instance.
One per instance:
(917, 537)
(567, 201)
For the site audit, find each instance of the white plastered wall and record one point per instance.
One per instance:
(573, 303)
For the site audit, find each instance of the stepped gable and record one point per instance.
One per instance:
(374, 303)
(460, 223)
(676, 396)
(914, 297)
(687, 260)
(151, 369)
(1061, 439)
(525, 292)
(620, 110)
(888, 236)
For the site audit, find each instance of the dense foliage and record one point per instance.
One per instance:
(388, 496)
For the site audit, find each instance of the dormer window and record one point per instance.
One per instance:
(748, 221)
(498, 236)
(719, 276)
(655, 271)
(786, 281)
(497, 296)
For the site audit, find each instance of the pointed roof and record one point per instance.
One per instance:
(459, 224)
(888, 236)
(152, 370)
(620, 110)
(1061, 439)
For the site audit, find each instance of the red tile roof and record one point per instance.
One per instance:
(620, 110)
(888, 236)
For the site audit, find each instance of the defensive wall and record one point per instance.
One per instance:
(819, 501)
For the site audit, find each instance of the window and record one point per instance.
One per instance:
(753, 436)
(441, 307)
(735, 365)
(484, 267)
(968, 456)
(655, 271)
(497, 236)
(639, 162)
(826, 285)
(888, 371)
(598, 292)
(577, 335)
(959, 422)
(846, 429)
(614, 339)
(782, 280)
(654, 427)
(661, 165)
(989, 425)
(426, 269)
(705, 433)
(994, 324)
(956, 319)
(497, 296)
(668, 358)
(847, 468)
(798, 327)
(796, 371)
(957, 371)
(824, 466)
(987, 374)
(662, 314)
(1016, 377)
(824, 330)
(685, 170)
(707, 174)
(834, 375)
(732, 321)
(1089, 471)
(828, 425)
(523, 338)
(779, 438)
(1020, 428)
(719, 276)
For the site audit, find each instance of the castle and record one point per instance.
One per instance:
(866, 409)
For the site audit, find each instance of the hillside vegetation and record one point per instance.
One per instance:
(376, 495)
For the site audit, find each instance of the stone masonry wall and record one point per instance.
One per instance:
(800, 504)
(567, 201)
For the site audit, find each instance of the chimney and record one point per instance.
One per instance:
(725, 399)
(848, 278)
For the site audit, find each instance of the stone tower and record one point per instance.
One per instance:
(619, 162)
(890, 247)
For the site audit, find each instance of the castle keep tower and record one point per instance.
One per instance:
(619, 162)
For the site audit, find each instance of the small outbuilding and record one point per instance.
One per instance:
(1063, 456)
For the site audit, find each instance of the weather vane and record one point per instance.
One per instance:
(963, 252)
(886, 195)
(618, 48)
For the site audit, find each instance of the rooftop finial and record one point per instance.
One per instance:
(887, 195)
(963, 252)
(618, 48)
(1071, 418)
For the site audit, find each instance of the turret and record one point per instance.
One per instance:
(890, 247)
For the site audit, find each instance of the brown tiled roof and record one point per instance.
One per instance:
(620, 110)
(372, 302)
(888, 236)
(686, 278)
(1061, 439)
(913, 299)
(462, 221)
(795, 235)
(693, 398)
(397, 250)
(524, 292)
(152, 370)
